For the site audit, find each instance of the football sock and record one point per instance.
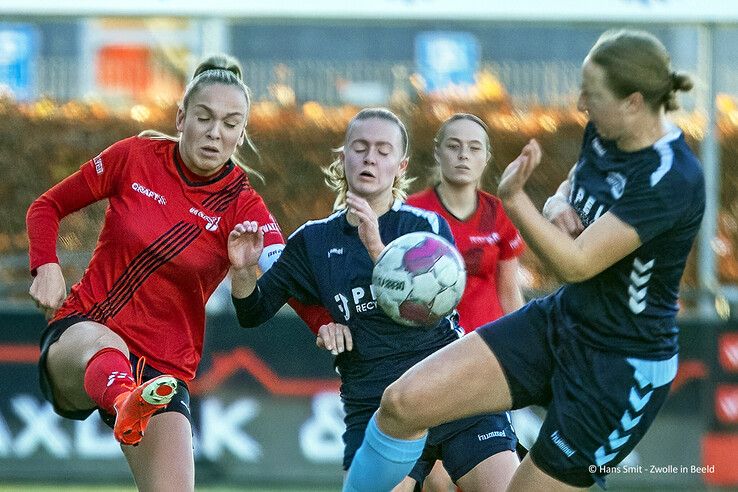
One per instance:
(107, 375)
(382, 461)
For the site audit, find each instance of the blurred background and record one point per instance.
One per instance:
(77, 76)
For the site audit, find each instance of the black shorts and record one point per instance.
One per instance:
(460, 444)
(600, 404)
(462, 451)
(180, 402)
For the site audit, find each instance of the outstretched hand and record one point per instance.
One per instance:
(368, 224)
(335, 337)
(516, 174)
(245, 244)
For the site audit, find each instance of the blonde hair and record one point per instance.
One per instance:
(216, 69)
(335, 171)
(636, 61)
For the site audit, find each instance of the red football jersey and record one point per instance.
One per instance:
(162, 250)
(483, 239)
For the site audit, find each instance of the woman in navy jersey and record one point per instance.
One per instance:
(329, 262)
(485, 237)
(600, 352)
(161, 253)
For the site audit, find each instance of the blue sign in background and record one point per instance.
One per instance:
(18, 51)
(447, 59)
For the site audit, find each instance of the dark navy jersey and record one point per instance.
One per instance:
(659, 191)
(324, 262)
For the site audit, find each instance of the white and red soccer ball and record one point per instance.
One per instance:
(419, 278)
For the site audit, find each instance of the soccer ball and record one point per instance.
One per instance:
(418, 279)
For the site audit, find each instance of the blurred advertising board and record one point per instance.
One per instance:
(266, 410)
(18, 52)
(448, 63)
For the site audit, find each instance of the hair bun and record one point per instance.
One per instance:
(681, 81)
(220, 62)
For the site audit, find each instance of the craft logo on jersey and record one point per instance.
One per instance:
(212, 222)
(617, 184)
(149, 193)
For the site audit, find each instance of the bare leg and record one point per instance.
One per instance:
(68, 358)
(529, 477)
(438, 479)
(493, 474)
(430, 392)
(163, 460)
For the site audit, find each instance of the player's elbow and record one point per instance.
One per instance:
(575, 272)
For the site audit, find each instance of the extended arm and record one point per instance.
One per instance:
(600, 245)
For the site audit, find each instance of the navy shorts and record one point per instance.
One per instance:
(180, 402)
(600, 404)
(460, 444)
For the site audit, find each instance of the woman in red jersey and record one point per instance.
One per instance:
(161, 253)
(488, 241)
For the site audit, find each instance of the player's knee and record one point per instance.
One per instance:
(398, 404)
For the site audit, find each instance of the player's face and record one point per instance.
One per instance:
(463, 152)
(212, 127)
(373, 157)
(603, 108)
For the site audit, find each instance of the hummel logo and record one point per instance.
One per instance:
(637, 290)
(335, 251)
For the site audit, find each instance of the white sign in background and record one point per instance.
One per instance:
(717, 11)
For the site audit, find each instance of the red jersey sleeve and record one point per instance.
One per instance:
(314, 316)
(104, 171)
(45, 213)
(511, 243)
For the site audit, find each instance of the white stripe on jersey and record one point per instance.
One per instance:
(663, 147)
(431, 217)
(318, 221)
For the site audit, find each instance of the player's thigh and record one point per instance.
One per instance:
(163, 461)
(462, 379)
(529, 477)
(492, 474)
(65, 354)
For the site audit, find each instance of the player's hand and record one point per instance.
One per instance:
(245, 244)
(334, 337)
(48, 289)
(516, 174)
(368, 224)
(562, 215)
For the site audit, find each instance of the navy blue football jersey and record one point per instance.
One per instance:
(659, 191)
(324, 262)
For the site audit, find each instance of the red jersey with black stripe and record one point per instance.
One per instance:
(162, 250)
(485, 238)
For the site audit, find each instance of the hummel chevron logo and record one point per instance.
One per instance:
(641, 267)
(639, 280)
(637, 401)
(601, 458)
(639, 277)
(627, 422)
(616, 441)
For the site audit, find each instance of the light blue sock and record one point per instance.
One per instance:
(382, 461)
